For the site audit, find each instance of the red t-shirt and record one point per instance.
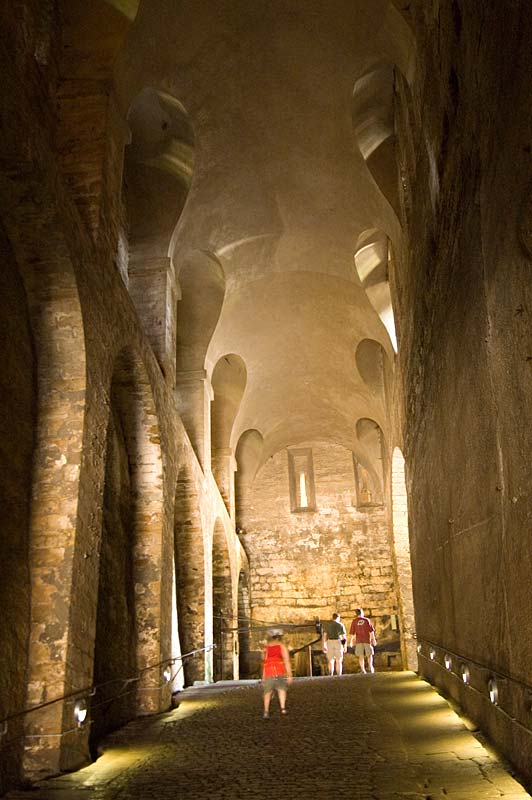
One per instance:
(273, 662)
(361, 628)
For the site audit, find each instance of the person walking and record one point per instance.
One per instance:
(276, 670)
(335, 643)
(363, 634)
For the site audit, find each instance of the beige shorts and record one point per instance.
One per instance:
(363, 649)
(335, 649)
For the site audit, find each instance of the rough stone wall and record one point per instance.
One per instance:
(465, 143)
(17, 388)
(308, 564)
(82, 322)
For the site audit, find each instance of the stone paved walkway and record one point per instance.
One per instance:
(374, 737)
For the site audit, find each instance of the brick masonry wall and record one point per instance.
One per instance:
(82, 321)
(17, 409)
(305, 565)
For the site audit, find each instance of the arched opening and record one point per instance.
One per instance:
(128, 621)
(248, 458)
(403, 566)
(370, 476)
(372, 261)
(244, 621)
(49, 378)
(223, 617)
(189, 555)
(372, 112)
(228, 385)
(373, 366)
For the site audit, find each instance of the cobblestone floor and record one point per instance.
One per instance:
(374, 737)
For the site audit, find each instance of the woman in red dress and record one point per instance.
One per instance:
(276, 670)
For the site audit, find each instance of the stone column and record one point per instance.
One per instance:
(223, 470)
(155, 291)
(194, 397)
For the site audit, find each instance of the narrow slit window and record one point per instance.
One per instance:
(301, 477)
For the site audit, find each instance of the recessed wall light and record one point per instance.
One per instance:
(81, 711)
(493, 691)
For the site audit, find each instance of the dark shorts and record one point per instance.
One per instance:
(276, 682)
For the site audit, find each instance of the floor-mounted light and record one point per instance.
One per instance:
(464, 672)
(493, 691)
(81, 711)
(432, 654)
(448, 661)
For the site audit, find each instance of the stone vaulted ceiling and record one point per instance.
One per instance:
(281, 192)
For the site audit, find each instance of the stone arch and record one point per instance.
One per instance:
(403, 566)
(59, 525)
(158, 170)
(248, 454)
(371, 362)
(372, 111)
(369, 464)
(223, 618)
(372, 262)
(189, 555)
(228, 385)
(202, 283)
(129, 621)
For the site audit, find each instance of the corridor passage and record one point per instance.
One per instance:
(374, 737)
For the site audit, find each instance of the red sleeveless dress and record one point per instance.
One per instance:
(273, 664)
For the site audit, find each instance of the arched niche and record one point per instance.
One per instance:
(369, 472)
(372, 362)
(202, 283)
(223, 618)
(372, 255)
(189, 558)
(372, 110)
(403, 566)
(129, 623)
(249, 452)
(228, 384)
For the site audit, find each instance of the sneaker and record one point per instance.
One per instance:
(265, 715)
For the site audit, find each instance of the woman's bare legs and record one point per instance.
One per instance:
(281, 693)
(267, 698)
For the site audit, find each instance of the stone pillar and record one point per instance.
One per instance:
(223, 470)
(194, 397)
(91, 136)
(155, 291)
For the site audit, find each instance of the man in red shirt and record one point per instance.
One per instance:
(363, 634)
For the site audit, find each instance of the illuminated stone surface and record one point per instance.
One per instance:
(232, 233)
(380, 736)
